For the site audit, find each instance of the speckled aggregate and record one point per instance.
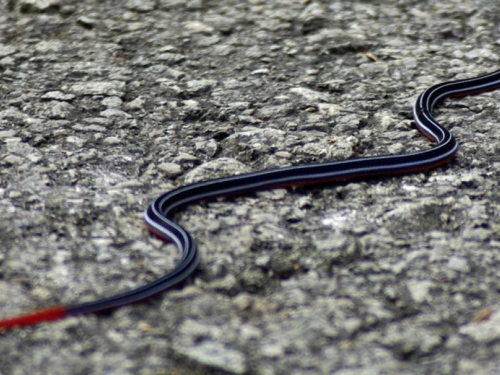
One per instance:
(107, 104)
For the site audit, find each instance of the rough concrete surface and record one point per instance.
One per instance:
(106, 104)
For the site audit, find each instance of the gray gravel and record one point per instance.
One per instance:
(106, 104)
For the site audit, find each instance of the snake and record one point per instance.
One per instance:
(159, 215)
